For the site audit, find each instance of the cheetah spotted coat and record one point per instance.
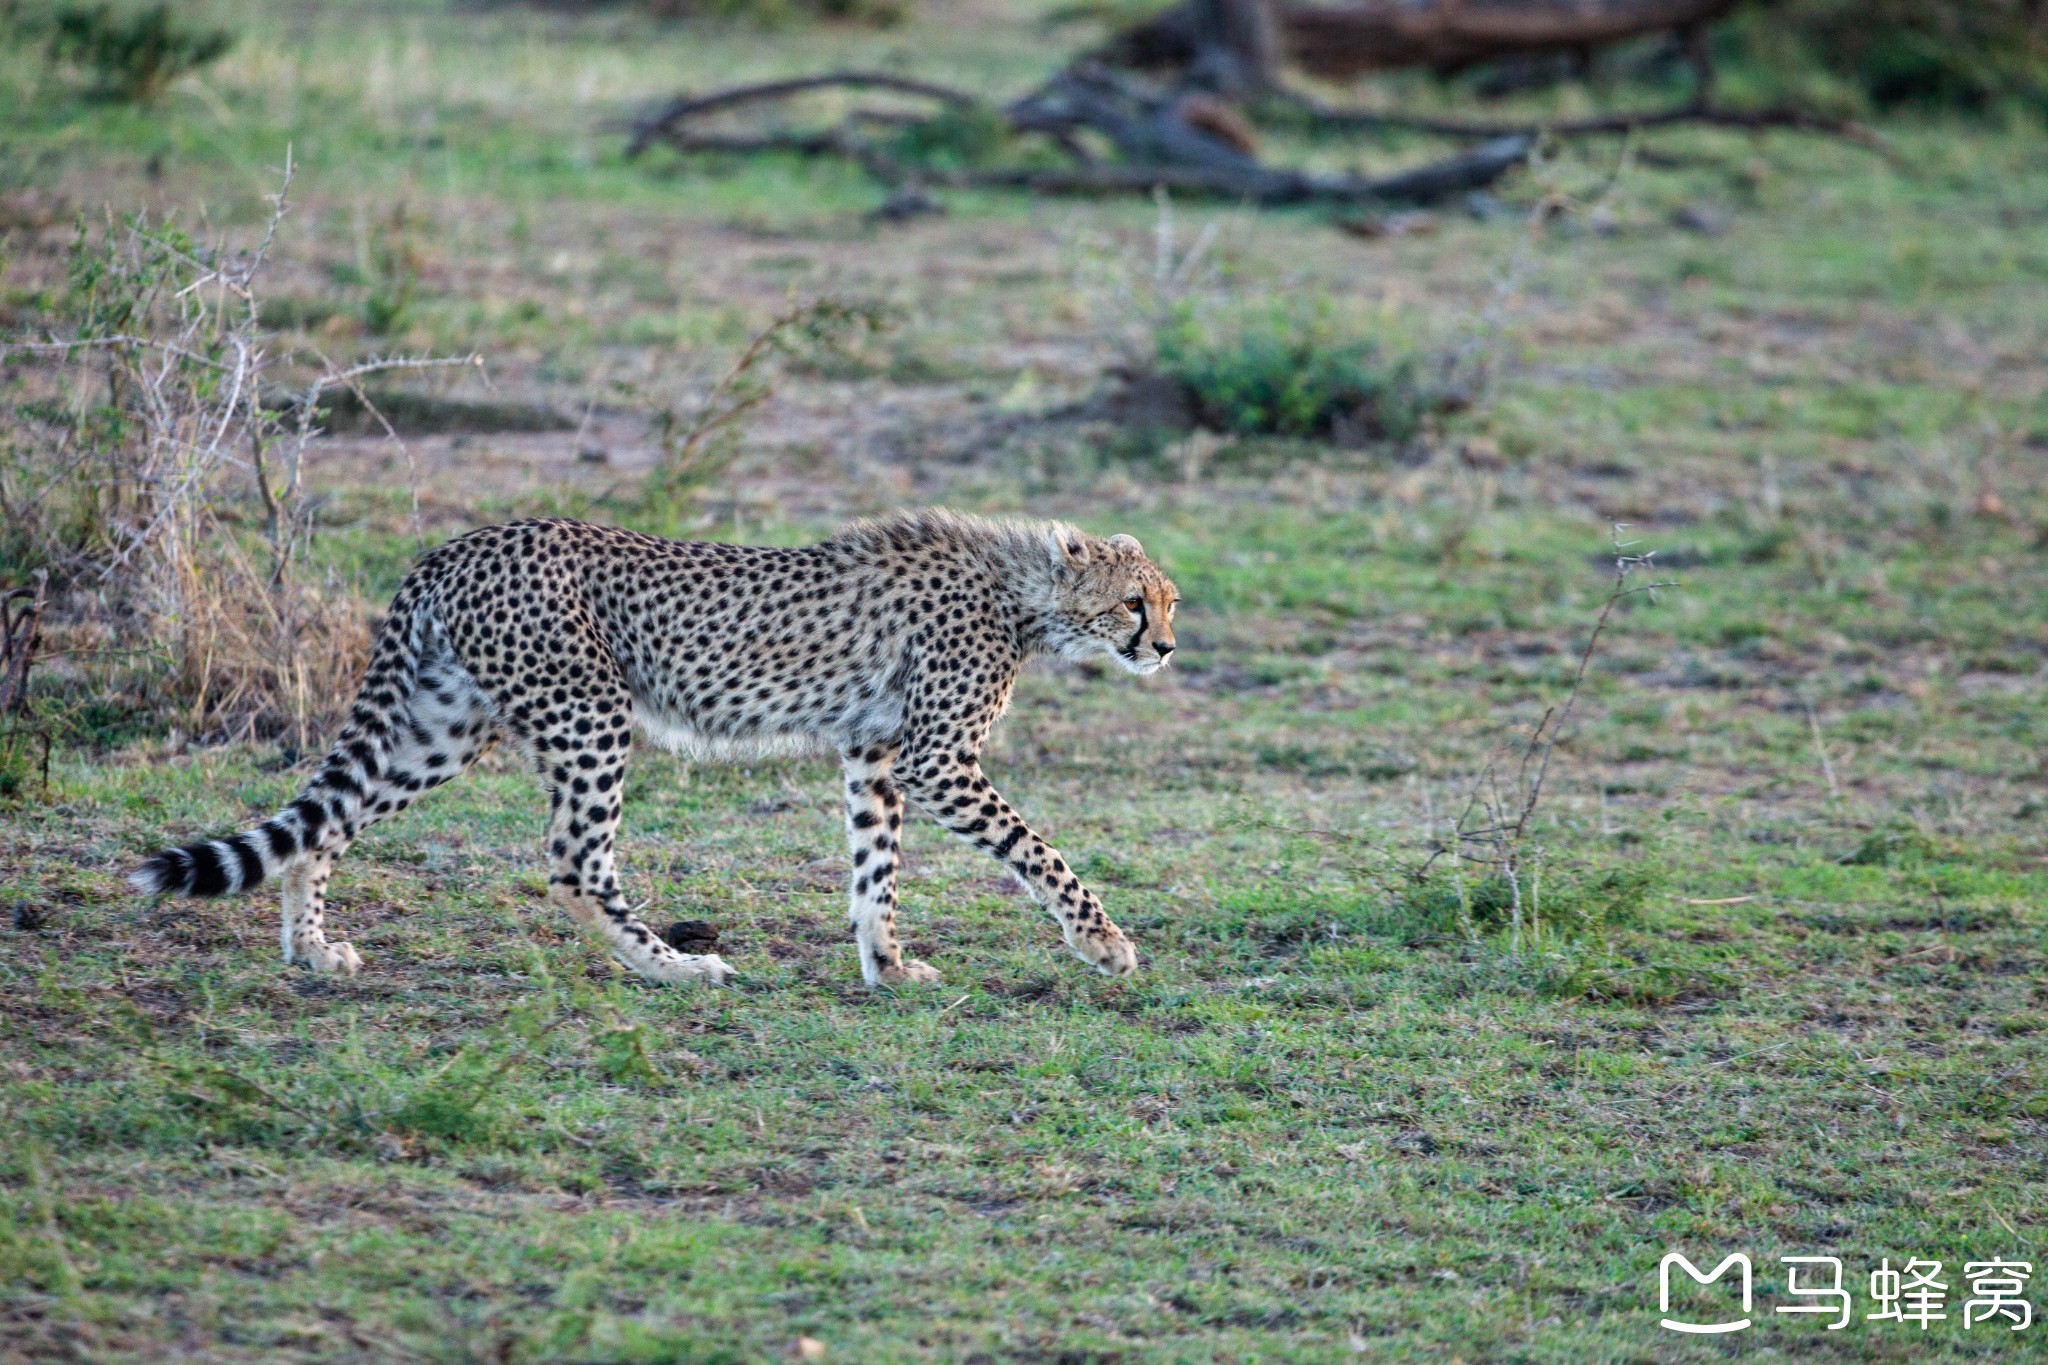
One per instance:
(895, 643)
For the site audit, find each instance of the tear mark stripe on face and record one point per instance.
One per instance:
(1130, 651)
(560, 637)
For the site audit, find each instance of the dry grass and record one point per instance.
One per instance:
(158, 408)
(270, 661)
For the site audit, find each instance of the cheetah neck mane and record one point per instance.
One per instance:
(1022, 556)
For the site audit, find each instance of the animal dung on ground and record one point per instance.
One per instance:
(692, 936)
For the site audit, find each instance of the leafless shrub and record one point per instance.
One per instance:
(157, 414)
(1493, 831)
(1135, 296)
(1487, 844)
(697, 447)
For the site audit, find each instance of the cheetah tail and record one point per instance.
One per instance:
(335, 796)
(221, 867)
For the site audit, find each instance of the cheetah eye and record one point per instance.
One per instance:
(1133, 603)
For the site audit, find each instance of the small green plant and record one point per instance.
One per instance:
(135, 54)
(1898, 846)
(346, 1108)
(452, 1105)
(1964, 54)
(1566, 903)
(1487, 874)
(1281, 369)
(1633, 978)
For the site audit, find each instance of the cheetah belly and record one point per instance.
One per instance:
(866, 719)
(678, 736)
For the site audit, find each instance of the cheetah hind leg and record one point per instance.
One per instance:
(585, 777)
(445, 725)
(633, 942)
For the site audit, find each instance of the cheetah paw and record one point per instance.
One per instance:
(678, 968)
(911, 973)
(1114, 955)
(334, 957)
(714, 970)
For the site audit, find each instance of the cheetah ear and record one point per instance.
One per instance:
(1124, 542)
(1066, 548)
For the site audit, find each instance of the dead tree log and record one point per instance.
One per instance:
(1699, 111)
(1148, 127)
(1166, 138)
(1344, 40)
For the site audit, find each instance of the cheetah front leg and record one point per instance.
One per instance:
(874, 831)
(953, 790)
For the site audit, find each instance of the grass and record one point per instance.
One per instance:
(1327, 1120)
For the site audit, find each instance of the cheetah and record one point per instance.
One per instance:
(895, 644)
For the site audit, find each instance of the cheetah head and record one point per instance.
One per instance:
(1110, 599)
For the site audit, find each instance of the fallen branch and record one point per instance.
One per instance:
(1425, 184)
(1157, 133)
(661, 123)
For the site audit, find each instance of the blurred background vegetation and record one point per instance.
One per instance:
(1764, 967)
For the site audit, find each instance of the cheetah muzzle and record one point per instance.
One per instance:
(895, 644)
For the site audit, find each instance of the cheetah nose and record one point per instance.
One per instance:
(1165, 647)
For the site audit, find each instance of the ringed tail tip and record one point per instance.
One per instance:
(215, 868)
